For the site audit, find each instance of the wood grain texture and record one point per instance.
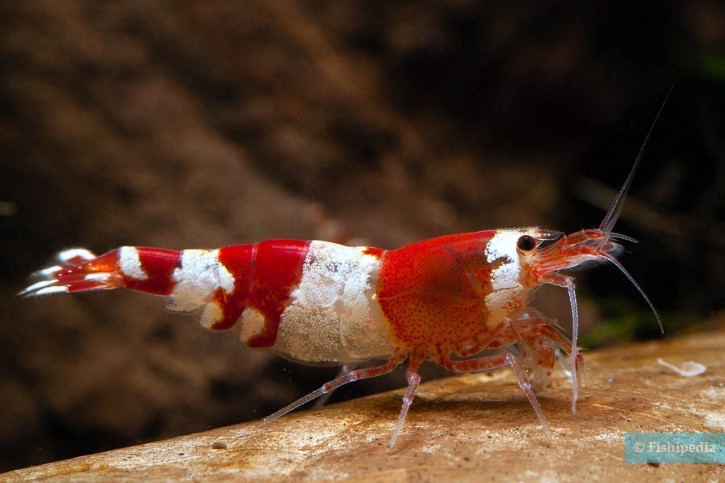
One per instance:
(471, 427)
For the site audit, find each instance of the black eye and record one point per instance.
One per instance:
(526, 243)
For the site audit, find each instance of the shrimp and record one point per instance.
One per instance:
(448, 299)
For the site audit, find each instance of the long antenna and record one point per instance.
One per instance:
(613, 214)
(639, 289)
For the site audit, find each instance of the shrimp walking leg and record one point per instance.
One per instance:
(325, 397)
(394, 361)
(413, 378)
(537, 339)
(494, 362)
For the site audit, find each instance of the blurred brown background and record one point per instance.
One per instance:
(201, 124)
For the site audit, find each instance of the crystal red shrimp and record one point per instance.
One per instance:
(446, 299)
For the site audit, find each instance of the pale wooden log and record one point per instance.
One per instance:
(472, 427)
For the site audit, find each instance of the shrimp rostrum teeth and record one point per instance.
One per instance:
(445, 299)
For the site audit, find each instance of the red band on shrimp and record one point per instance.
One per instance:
(277, 270)
(265, 274)
(237, 260)
(156, 266)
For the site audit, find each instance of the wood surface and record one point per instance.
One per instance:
(470, 427)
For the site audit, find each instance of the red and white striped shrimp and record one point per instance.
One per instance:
(446, 299)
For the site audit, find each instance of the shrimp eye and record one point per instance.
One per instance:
(526, 243)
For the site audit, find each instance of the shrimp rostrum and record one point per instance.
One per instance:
(450, 299)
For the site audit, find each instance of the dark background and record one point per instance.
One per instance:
(200, 124)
